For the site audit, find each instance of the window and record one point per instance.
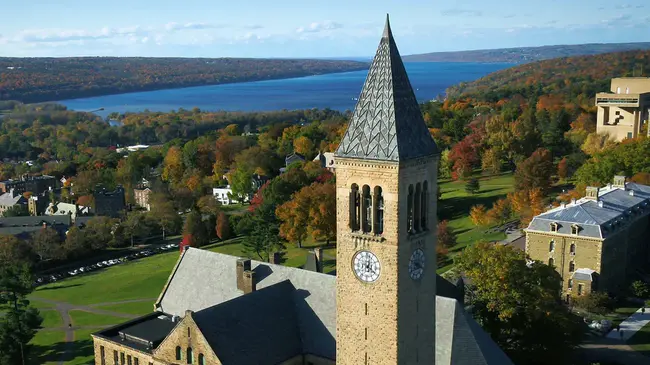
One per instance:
(128, 360)
(354, 207)
(179, 353)
(367, 209)
(379, 211)
(417, 203)
(201, 359)
(188, 333)
(424, 206)
(551, 246)
(553, 227)
(575, 229)
(570, 284)
(629, 135)
(409, 211)
(122, 358)
(102, 355)
(190, 355)
(572, 249)
(579, 289)
(572, 266)
(136, 361)
(115, 358)
(551, 262)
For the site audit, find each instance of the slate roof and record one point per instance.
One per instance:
(8, 200)
(583, 274)
(257, 328)
(596, 219)
(387, 123)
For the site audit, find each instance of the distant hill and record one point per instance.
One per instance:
(49, 79)
(526, 54)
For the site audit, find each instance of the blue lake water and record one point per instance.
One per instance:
(336, 91)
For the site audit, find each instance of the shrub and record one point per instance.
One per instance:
(640, 289)
(596, 302)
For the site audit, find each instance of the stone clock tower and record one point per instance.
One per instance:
(386, 172)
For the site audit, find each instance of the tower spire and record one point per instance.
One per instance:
(387, 32)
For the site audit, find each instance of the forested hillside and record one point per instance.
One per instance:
(48, 79)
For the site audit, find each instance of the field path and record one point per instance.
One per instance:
(64, 311)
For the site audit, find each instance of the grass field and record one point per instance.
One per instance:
(46, 347)
(641, 341)
(137, 308)
(51, 318)
(81, 318)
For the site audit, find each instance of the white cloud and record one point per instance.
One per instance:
(173, 26)
(317, 27)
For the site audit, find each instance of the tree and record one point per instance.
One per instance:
(99, 232)
(208, 204)
(446, 235)
(595, 143)
(594, 302)
(263, 240)
(75, 244)
(641, 178)
(563, 168)
(135, 225)
(173, 165)
(491, 161)
(518, 303)
(500, 212)
(18, 210)
(303, 146)
(322, 211)
(14, 250)
(472, 186)
(241, 183)
(527, 204)
(294, 215)
(478, 215)
(46, 243)
(232, 130)
(640, 289)
(163, 213)
(535, 171)
(195, 230)
(223, 226)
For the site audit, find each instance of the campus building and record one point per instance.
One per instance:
(381, 308)
(34, 184)
(599, 242)
(624, 111)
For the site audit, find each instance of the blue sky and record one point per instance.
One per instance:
(307, 28)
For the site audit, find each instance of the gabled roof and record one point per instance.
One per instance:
(387, 123)
(583, 274)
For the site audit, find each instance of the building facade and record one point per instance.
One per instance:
(109, 203)
(141, 197)
(326, 160)
(624, 111)
(382, 306)
(34, 184)
(599, 242)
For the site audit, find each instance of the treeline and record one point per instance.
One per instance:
(47, 79)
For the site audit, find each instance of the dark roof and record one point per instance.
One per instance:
(447, 289)
(387, 123)
(143, 333)
(259, 328)
(35, 220)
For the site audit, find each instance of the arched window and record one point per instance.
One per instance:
(354, 207)
(570, 284)
(409, 211)
(551, 246)
(367, 209)
(551, 262)
(179, 353)
(572, 266)
(379, 211)
(201, 359)
(190, 356)
(424, 206)
(572, 248)
(418, 204)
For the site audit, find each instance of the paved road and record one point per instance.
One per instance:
(64, 311)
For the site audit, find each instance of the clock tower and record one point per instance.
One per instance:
(386, 182)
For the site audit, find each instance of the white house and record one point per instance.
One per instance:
(223, 195)
(137, 147)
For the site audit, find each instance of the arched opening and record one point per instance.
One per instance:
(354, 207)
(179, 353)
(409, 211)
(570, 284)
(190, 356)
(424, 207)
(551, 246)
(367, 209)
(572, 266)
(551, 262)
(379, 211)
(418, 204)
(572, 248)
(201, 359)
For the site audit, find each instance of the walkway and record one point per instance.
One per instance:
(64, 311)
(630, 326)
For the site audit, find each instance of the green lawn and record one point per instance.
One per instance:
(51, 318)
(83, 348)
(137, 308)
(46, 347)
(81, 318)
(641, 341)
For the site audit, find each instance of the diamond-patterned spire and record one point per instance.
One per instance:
(387, 123)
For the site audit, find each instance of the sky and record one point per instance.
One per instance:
(307, 28)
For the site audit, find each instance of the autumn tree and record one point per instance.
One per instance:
(642, 178)
(446, 235)
(173, 165)
(491, 161)
(563, 168)
(208, 204)
(535, 171)
(135, 225)
(163, 213)
(595, 143)
(194, 229)
(478, 215)
(46, 243)
(527, 204)
(223, 226)
(518, 303)
(500, 212)
(232, 130)
(322, 211)
(472, 186)
(304, 146)
(294, 216)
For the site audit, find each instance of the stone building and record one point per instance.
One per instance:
(327, 160)
(598, 242)
(141, 197)
(382, 306)
(34, 184)
(109, 203)
(10, 199)
(624, 112)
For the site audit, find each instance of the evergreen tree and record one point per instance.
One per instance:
(472, 186)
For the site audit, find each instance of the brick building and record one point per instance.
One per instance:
(382, 306)
(598, 242)
(141, 197)
(35, 184)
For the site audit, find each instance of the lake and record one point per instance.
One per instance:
(336, 91)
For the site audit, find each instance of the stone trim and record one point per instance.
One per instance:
(366, 236)
(120, 345)
(571, 236)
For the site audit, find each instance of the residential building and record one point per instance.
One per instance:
(109, 203)
(24, 227)
(34, 184)
(326, 160)
(138, 147)
(289, 159)
(9, 199)
(141, 197)
(72, 210)
(624, 111)
(224, 195)
(599, 242)
(382, 306)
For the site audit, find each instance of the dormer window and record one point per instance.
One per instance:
(575, 229)
(554, 227)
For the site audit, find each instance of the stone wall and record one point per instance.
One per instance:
(186, 335)
(111, 348)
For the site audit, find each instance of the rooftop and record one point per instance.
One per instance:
(144, 333)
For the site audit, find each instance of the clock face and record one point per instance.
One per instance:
(416, 264)
(366, 266)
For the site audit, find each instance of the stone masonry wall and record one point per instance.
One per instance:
(111, 348)
(185, 334)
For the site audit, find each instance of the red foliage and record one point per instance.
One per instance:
(258, 199)
(464, 155)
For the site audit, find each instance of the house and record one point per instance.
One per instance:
(72, 210)
(624, 111)
(381, 308)
(326, 160)
(224, 194)
(9, 199)
(604, 234)
(34, 184)
(289, 159)
(141, 197)
(135, 148)
(109, 203)
(24, 227)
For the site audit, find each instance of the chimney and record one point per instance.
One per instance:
(242, 266)
(275, 258)
(600, 204)
(563, 205)
(631, 192)
(318, 252)
(11, 191)
(573, 201)
(619, 181)
(592, 193)
(249, 282)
